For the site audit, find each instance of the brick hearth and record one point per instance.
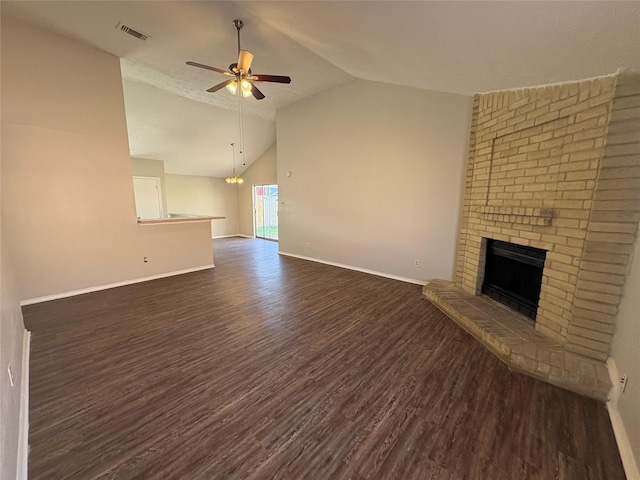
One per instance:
(556, 168)
(512, 339)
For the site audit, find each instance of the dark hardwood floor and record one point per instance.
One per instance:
(274, 367)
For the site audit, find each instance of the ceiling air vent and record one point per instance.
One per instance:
(132, 31)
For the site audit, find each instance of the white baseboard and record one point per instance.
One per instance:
(357, 269)
(56, 296)
(23, 435)
(624, 446)
(234, 235)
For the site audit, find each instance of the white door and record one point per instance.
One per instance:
(148, 197)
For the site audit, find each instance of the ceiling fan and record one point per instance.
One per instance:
(242, 77)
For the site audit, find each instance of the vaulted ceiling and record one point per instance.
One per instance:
(462, 47)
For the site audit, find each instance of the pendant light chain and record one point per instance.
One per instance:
(233, 150)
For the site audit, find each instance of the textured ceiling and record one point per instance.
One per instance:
(460, 47)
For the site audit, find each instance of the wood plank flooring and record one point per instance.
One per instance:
(275, 367)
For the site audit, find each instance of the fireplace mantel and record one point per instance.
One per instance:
(521, 215)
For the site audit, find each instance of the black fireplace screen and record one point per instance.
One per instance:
(513, 275)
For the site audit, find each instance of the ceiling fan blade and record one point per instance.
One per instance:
(207, 67)
(257, 94)
(219, 86)
(261, 77)
(245, 58)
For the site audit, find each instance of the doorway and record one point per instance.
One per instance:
(148, 195)
(265, 207)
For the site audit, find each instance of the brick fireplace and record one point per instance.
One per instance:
(556, 168)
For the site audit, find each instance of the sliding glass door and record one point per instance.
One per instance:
(265, 206)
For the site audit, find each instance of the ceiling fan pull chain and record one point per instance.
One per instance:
(241, 126)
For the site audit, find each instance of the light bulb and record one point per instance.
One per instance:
(245, 85)
(232, 87)
(240, 180)
(228, 179)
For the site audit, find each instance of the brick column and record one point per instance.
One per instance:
(612, 228)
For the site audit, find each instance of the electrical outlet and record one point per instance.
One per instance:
(416, 262)
(10, 375)
(623, 382)
(308, 244)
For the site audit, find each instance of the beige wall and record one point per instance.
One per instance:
(204, 196)
(67, 193)
(626, 354)
(146, 167)
(261, 172)
(375, 179)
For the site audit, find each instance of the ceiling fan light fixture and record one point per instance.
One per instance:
(245, 85)
(232, 87)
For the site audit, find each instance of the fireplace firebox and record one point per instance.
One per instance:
(513, 275)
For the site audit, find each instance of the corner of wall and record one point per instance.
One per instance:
(617, 423)
(14, 351)
(22, 467)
